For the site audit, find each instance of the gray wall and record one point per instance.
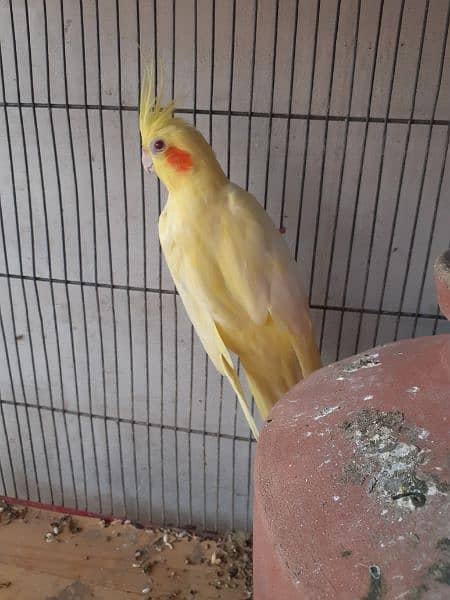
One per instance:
(348, 151)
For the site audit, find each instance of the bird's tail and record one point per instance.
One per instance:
(236, 385)
(265, 400)
(267, 386)
(307, 353)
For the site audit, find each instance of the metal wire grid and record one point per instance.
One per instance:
(107, 402)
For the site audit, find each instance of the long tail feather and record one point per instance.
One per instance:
(308, 354)
(236, 384)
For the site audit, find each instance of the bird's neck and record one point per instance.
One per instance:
(203, 180)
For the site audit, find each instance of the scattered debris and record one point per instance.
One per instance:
(75, 590)
(443, 545)
(365, 362)
(325, 412)
(216, 567)
(440, 571)
(66, 523)
(375, 571)
(5, 584)
(235, 553)
(230, 556)
(144, 559)
(197, 557)
(9, 513)
(375, 584)
(385, 457)
(436, 574)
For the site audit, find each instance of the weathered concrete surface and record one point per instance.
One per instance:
(352, 476)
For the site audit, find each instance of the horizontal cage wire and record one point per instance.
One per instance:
(335, 115)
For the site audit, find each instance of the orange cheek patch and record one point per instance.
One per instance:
(180, 160)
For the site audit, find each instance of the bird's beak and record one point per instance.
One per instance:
(147, 161)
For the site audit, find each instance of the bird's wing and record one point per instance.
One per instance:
(191, 281)
(269, 277)
(212, 341)
(235, 267)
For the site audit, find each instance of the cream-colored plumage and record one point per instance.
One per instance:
(230, 265)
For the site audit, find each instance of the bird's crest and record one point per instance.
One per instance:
(152, 114)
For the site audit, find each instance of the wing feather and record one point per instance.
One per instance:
(268, 260)
(201, 317)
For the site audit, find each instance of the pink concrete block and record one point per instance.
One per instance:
(352, 492)
(352, 480)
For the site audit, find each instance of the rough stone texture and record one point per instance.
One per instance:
(442, 278)
(352, 493)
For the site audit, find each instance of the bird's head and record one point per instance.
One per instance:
(174, 150)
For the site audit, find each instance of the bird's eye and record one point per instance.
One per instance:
(157, 146)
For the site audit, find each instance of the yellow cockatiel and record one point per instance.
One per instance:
(230, 265)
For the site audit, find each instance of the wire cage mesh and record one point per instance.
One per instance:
(336, 115)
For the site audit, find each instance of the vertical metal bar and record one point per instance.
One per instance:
(146, 328)
(18, 241)
(127, 256)
(218, 446)
(13, 392)
(44, 200)
(47, 239)
(324, 149)
(341, 172)
(94, 238)
(175, 302)
(2, 414)
(64, 254)
(109, 242)
(160, 307)
(430, 239)
(21, 377)
(360, 172)
(33, 364)
(191, 384)
(2, 475)
(80, 259)
(52, 291)
(205, 409)
(288, 122)
(380, 173)
(191, 398)
(230, 99)
(272, 94)
(247, 183)
(402, 173)
(424, 170)
(306, 144)
(205, 392)
(438, 316)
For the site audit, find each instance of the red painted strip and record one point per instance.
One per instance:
(59, 509)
